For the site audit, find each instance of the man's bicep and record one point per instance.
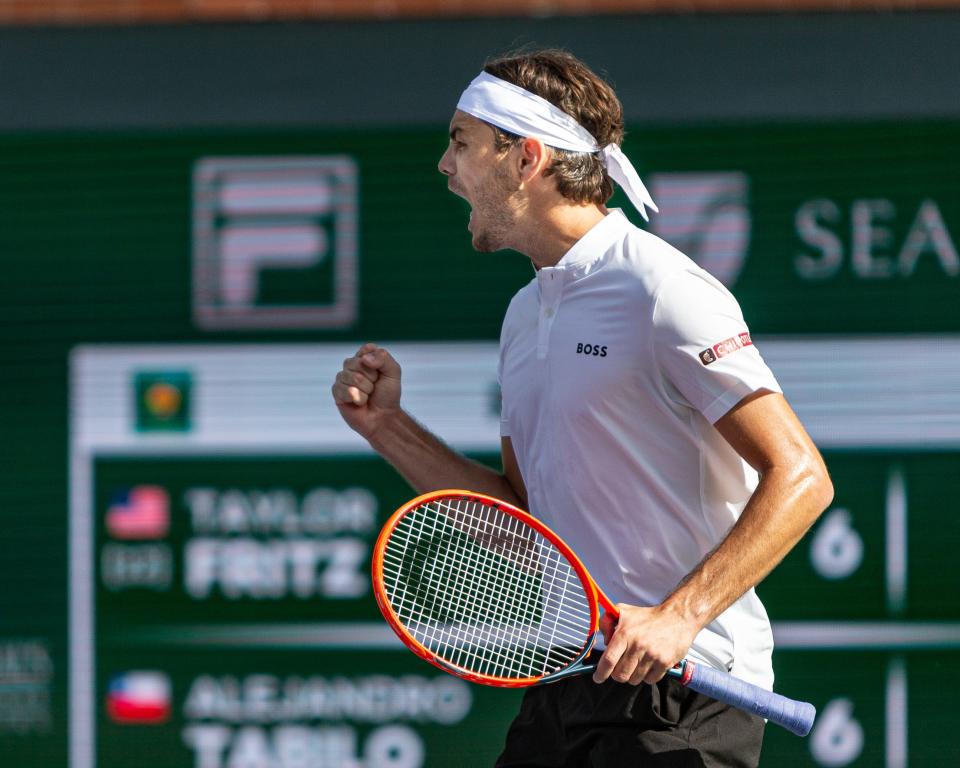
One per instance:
(766, 432)
(511, 470)
(795, 486)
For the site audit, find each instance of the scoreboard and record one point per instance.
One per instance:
(222, 612)
(223, 518)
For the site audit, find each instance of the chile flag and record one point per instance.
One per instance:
(139, 698)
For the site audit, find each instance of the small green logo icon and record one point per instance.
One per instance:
(163, 401)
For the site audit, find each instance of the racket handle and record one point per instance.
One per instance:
(796, 716)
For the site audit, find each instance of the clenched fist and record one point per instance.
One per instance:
(367, 389)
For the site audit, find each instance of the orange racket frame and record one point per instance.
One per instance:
(595, 595)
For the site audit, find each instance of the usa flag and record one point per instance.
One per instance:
(139, 697)
(140, 512)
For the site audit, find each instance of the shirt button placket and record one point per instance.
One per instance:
(550, 287)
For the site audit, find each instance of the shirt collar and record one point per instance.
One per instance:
(592, 246)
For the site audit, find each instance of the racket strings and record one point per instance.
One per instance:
(479, 645)
(465, 566)
(481, 589)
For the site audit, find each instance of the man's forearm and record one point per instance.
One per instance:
(428, 464)
(783, 507)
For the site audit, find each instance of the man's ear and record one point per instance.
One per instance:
(534, 158)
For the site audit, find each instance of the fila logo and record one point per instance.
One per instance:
(592, 349)
(725, 347)
(275, 242)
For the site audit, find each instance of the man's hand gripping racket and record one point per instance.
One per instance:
(486, 592)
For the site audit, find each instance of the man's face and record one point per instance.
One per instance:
(480, 175)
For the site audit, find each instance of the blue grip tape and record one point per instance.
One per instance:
(796, 716)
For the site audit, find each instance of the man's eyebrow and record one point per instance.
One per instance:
(454, 131)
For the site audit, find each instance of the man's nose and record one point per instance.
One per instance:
(445, 166)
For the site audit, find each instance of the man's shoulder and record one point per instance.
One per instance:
(647, 247)
(650, 259)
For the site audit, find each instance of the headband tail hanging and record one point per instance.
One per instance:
(621, 170)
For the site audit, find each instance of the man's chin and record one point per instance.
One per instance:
(484, 244)
(483, 239)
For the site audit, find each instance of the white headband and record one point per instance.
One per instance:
(518, 111)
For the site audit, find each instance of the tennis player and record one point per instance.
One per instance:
(639, 421)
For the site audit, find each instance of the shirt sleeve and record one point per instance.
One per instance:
(703, 347)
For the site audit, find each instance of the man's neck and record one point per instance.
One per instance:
(547, 236)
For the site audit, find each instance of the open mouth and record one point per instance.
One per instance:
(459, 193)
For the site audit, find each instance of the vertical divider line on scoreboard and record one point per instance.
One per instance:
(896, 541)
(80, 694)
(896, 713)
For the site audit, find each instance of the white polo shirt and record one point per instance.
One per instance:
(614, 364)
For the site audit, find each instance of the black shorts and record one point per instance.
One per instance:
(576, 722)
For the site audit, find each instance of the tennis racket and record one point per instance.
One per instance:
(485, 591)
